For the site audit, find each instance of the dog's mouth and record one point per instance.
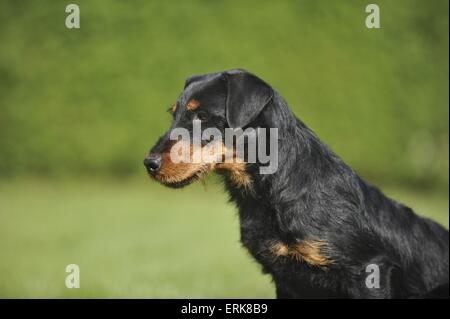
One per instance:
(179, 169)
(181, 175)
(182, 183)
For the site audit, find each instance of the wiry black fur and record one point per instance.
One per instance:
(315, 195)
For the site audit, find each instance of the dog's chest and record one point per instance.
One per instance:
(275, 250)
(259, 233)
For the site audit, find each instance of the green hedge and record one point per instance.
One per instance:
(93, 100)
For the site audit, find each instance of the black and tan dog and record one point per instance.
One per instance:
(314, 224)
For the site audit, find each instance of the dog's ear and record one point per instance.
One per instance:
(200, 77)
(247, 96)
(194, 78)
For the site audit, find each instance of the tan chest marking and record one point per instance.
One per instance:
(238, 174)
(309, 251)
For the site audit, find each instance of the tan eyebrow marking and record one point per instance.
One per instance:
(192, 105)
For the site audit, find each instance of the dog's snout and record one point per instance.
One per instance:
(153, 163)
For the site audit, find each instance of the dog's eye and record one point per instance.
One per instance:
(202, 116)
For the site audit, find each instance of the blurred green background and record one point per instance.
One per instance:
(80, 108)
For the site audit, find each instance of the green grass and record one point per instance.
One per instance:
(129, 239)
(134, 239)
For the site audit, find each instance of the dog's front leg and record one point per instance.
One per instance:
(378, 279)
(283, 291)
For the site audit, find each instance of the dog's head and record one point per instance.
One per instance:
(209, 103)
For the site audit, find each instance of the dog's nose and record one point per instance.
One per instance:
(153, 163)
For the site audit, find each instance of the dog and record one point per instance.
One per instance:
(314, 225)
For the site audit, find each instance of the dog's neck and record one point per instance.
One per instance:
(299, 151)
